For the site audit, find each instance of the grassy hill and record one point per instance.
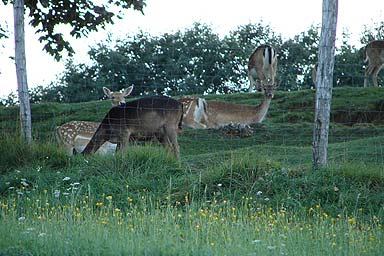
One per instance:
(357, 115)
(227, 196)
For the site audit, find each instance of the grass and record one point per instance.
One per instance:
(227, 196)
(84, 226)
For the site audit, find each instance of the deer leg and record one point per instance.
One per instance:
(251, 83)
(375, 72)
(368, 73)
(170, 142)
(123, 140)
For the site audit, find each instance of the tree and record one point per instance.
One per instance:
(324, 80)
(83, 16)
(21, 71)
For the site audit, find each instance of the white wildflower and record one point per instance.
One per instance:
(66, 178)
(259, 193)
(22, 218)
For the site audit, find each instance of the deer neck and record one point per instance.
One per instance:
(262, 110)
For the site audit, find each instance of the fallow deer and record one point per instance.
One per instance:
(262, 67)
(117, 97)
(220, 113)
(374, 54)
(75, 135)
(156, 116)
(195, 112)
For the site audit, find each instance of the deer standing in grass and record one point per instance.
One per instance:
(156, 116)
(262, 67)
(374, 54)
(75, 135)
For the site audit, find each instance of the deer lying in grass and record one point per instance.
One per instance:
(157, 116)
(75, 135)
(374, 54)
(262, 66)
(220, 113)
(195, 112)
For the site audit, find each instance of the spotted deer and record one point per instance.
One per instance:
(156, 116)
(75, 135)
(373, 54)
(262, 67)
(221, 113)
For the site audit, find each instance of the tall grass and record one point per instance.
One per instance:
(43, 225)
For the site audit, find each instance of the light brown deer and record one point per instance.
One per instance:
(75, 135)
(220, 113)
(262, 67)
(195, 112)
(374, 54)
(156, 116)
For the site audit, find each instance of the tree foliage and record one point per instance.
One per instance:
(82, 16)
(196, 61)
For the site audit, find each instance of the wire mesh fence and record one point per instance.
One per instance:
(356, 131)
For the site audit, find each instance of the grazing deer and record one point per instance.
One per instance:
(195, 112)
(220, 113)
(75, 135)
(156, 116)
(374, 54)
(262, 67)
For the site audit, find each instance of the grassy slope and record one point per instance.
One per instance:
(243, 194)
(285, 138)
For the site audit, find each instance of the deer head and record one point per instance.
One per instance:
(117, 98)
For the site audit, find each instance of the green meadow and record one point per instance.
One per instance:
(227, 195)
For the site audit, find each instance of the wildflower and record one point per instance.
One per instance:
(259, 193)
(56, 193)
(117, 210)
(24, 182)
(22, 218)
(99, 204)
(219, 185)
(66, 178)
(109, 198)
(351, 220)
(104, 222)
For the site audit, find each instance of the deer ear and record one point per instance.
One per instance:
(128, 91)
(106, 91)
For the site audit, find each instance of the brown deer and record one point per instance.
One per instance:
(374, 54)
(195, 112)
(262, 67)
(156, 116)
(220, 113)
(75, 135)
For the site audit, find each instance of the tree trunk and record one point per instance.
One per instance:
(324, 80)
(21, 71)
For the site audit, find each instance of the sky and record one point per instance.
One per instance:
(285, 17)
